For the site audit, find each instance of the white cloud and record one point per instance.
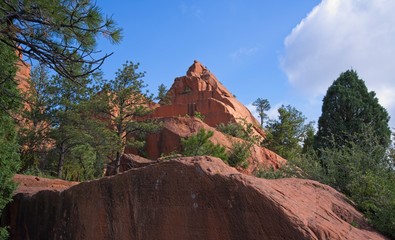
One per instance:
(338, 35)
(242, 52)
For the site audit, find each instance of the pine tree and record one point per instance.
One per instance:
(261, 105)
(123, 104)
(9, 103)
(199, 144)
(66, 122)
(163, 96)
(352, 142)
(286, 135)
(57, 33)
(34, 121)
(348, 110)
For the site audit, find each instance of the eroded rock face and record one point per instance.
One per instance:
(200, 91)
(168, 141)
(188, 198)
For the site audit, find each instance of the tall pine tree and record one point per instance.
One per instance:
(348, 110)
(261, 105)
(123, 104)
(34, 120)
(66, 97)
(9, 103)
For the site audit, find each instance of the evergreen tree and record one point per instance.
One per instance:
(57, 33)
(348, 110)
(200, 145)
(9, 157)
(308, 142)
(261, 105)
(66, 97)
(286, 135)
(353, 139)
(59, 123)
(163, 97)
(123, 105)
(34, 120)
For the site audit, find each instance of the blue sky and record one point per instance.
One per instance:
(286, 51)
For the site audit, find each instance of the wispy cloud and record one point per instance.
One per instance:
(243, 52)
(190, 10)
(338, 35)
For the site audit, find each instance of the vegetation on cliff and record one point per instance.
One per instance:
(200, 144)
(350, 151)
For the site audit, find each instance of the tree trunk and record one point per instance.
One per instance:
(61, 160)
(117, 162)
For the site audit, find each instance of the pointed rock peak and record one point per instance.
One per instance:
(196, 69)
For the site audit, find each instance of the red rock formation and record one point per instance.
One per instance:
(200, 91)
(189, 198)
(30, 185)
(168, 141)
(128, 161)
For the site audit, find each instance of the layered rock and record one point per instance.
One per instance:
(189, 198)
(168, 141)
(200, 91)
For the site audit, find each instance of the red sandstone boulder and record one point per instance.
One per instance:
(168, 141)
(128, 161)
(30, 185)
(188, 198)
(200, 91)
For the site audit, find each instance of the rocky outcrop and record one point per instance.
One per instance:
(128, 161)
(168, 141)
(189, 198)
(30, 185)
(200, 91)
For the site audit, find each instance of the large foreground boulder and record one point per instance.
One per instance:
(188, 198)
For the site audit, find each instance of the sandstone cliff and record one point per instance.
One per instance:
(168, 140)
(200, 91)
(187, 198)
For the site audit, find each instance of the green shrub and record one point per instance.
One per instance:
(269, 173)
(241, 129)
(374, 194)
(200, 116)
(233, 129)
(200, 145)
(239, 154)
